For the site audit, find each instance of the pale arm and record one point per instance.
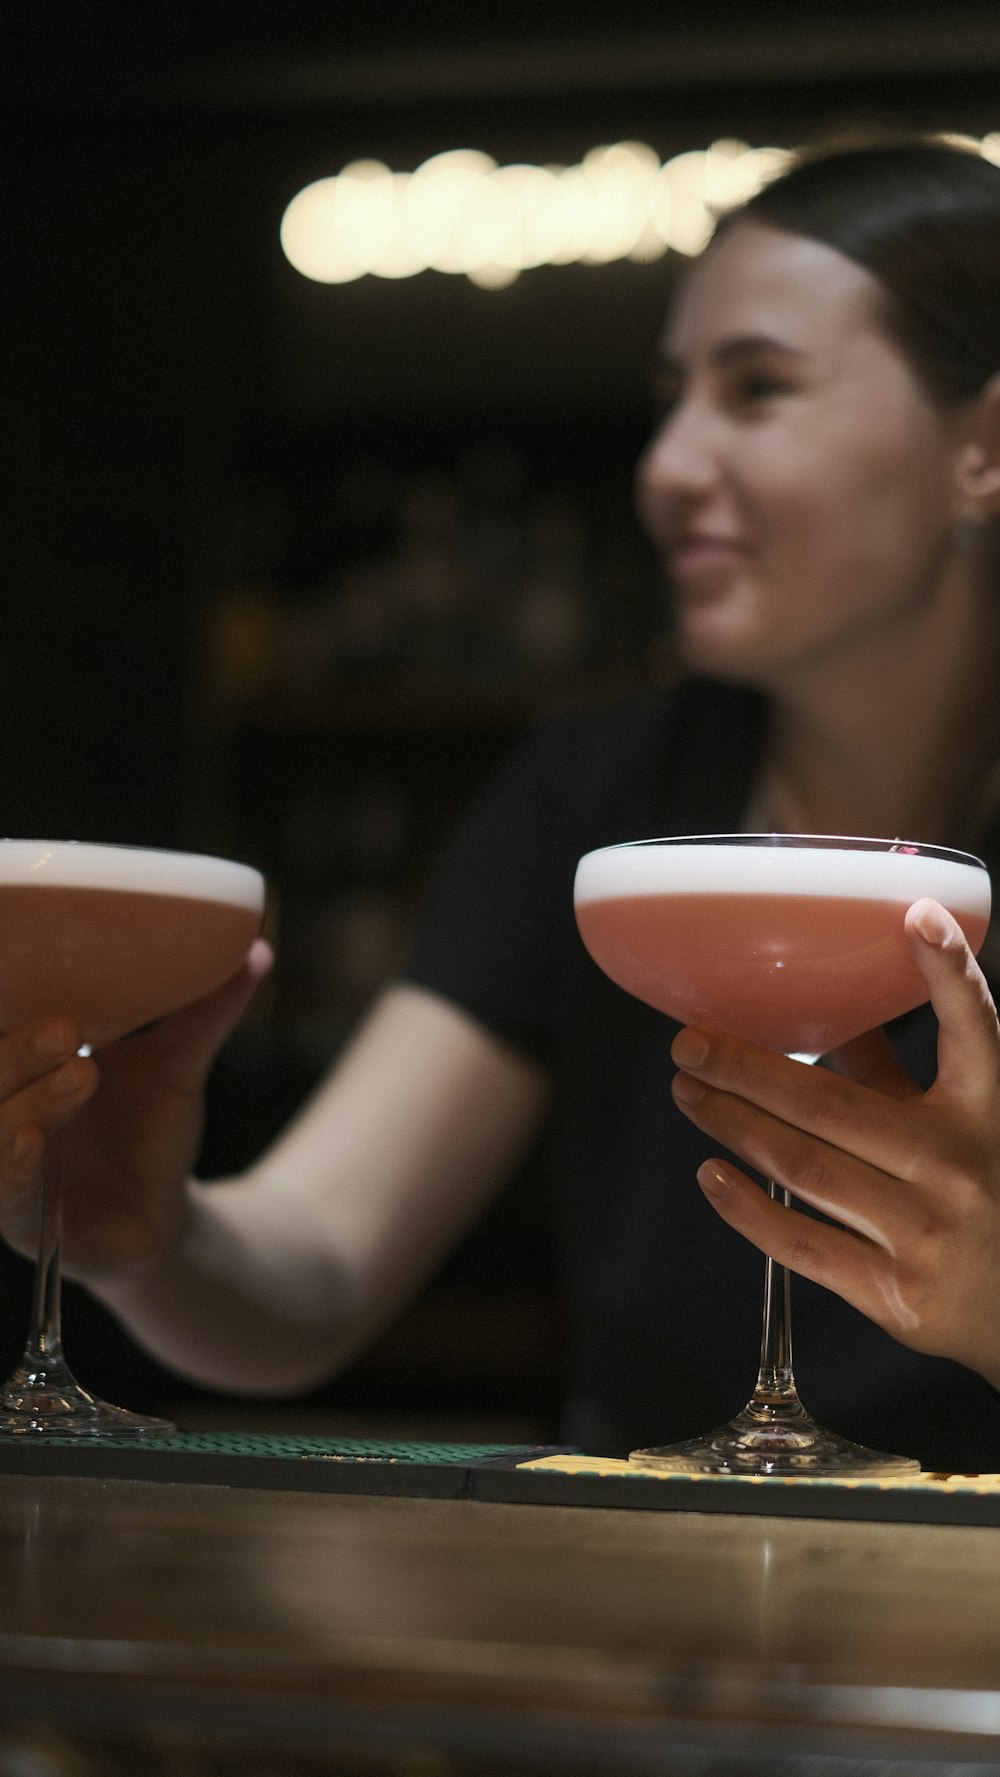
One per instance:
(273, 1280)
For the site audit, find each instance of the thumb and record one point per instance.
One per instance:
(968, 1038)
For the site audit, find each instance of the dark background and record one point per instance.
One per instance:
(200, 448)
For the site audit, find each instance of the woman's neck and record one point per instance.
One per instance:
(901, 742)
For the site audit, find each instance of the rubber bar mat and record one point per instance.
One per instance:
(502, 1473)
(259, 1459)
(562, 1478)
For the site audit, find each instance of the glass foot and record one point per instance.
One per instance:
(773, 1440)
(48, 1401)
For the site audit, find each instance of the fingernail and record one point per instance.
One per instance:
(690, 1048)
(714, 1180)
(55, 1038)
(931, 923)
(687, 1089)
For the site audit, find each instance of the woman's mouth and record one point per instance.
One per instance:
(699, 555)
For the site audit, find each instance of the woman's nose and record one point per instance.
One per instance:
(676, 470)
(679, 460)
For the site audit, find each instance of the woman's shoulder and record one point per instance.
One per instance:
(646, 730)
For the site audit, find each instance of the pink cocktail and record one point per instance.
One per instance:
(796, 943)
(795, 948)
(115, 937)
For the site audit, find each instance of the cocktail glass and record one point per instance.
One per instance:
(794, 942)
(114, 937)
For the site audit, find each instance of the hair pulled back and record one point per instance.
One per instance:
(923, 217)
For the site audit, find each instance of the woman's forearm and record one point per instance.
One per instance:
(272, 1281)
(243, 1299)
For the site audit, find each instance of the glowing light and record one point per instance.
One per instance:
(438, 206)
(340, 228)
(619, 184)
(461, 214)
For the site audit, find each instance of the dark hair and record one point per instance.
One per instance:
(923, 217)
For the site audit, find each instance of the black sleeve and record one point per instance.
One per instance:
(499, 937)
(500, 910)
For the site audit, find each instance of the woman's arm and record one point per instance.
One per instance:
(912, 1179)
(275, 1279)
(272, 1280)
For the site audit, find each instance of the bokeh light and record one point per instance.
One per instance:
(460, 213)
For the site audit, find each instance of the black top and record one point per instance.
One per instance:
(664, 1299)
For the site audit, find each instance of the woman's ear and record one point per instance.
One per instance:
(978, 474)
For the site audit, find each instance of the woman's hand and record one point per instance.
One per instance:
(912, 1179)
(130, 1122)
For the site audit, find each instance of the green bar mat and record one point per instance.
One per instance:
(259, 1459)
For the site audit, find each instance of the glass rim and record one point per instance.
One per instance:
(156, 851)
(810, 841)
(141, 869)
(112, 844)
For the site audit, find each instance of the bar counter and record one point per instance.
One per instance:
(191, 1627)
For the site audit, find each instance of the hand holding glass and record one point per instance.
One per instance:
(113, 937)
(796, 943)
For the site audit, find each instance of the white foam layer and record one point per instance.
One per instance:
(64, 863)
(680, 869)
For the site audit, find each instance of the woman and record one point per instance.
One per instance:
(824, 488)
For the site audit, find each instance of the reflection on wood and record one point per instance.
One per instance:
(218, 1622)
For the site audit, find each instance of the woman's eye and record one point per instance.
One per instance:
(761, 387)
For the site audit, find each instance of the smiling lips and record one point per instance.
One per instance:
(694, 554)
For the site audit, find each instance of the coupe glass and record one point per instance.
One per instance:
(114, 937)
(794, 942)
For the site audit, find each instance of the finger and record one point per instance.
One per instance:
(43, 1082)
(871, 1061)
(34, 1050)
(855, 1269)
(40, 1107)
(837, 1184)
(20, 1183)
(885, 1133)
(968, 1040)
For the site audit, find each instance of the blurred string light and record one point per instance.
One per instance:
(462, 213)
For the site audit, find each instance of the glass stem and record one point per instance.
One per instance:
(775, 1396)
(775, 1382)
(44, 1347)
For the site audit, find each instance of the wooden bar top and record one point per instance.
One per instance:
(481, 1630)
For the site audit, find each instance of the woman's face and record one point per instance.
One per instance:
(801, 486)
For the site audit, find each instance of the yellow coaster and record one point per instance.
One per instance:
(933, 1483)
